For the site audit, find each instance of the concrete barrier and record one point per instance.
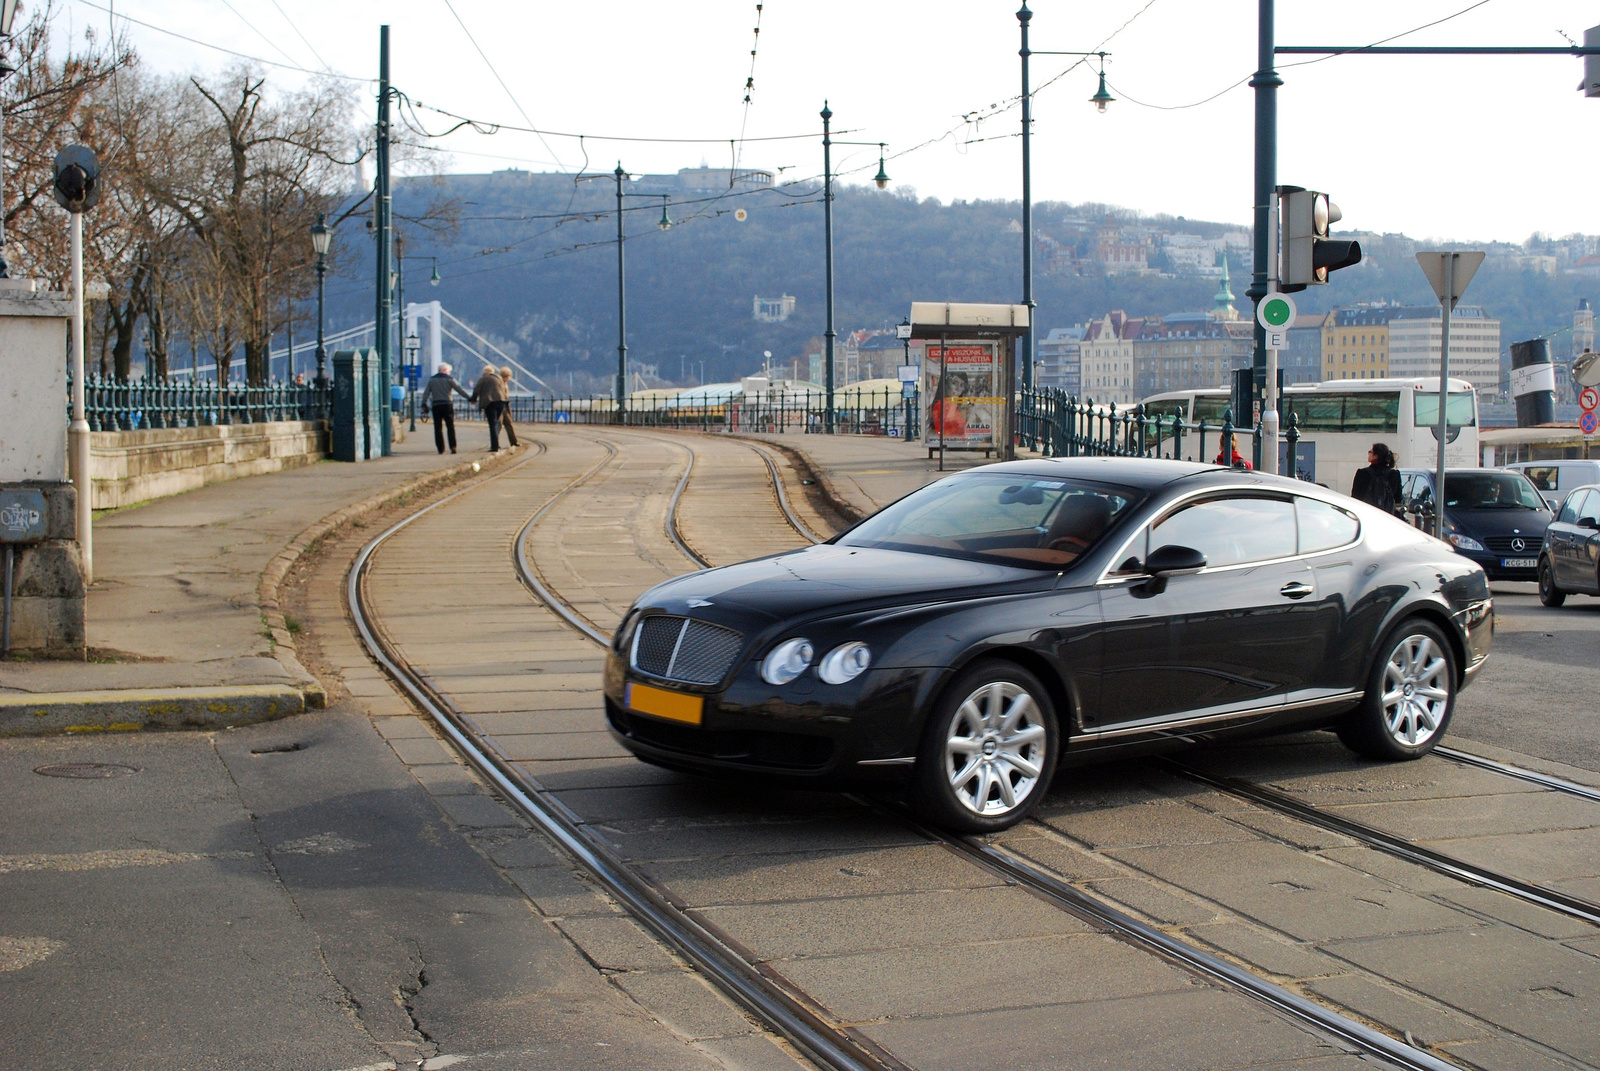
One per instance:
(134, 466)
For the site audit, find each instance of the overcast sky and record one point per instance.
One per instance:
(1459, 147)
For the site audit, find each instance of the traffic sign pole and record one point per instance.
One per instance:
(1275, 314)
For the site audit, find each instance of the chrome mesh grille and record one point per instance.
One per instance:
(682, 649)
(1502, 545)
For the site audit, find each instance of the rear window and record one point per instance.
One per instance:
(1425, 407)
(1005, 518)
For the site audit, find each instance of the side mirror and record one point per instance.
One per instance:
(1589, 522)
(1167, 562)
(1172, 560)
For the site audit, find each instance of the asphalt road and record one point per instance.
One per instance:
(1540, 691)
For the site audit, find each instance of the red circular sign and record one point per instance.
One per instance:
(1589, 398)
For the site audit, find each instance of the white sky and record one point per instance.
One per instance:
(1457, 147)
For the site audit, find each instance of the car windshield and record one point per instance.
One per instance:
(1490, 490)
(1009, 518)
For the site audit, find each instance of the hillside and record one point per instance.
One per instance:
(528, 267)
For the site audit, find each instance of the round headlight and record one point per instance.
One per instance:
(845, 662)
(787, 661)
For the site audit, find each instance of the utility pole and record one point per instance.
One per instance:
(1024, 16)
(827, 240)
(620, 392)
(385, 209)
(1265, 82)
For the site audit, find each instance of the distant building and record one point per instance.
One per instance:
(773, 310)
(1058, 359)
(704, 180)
(1582, 342)
(1370, 342)
(1126, 359)
(1302, 361)
(1118, 254)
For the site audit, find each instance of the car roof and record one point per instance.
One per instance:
(1147, 473)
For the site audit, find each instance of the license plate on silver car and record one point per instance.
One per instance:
(1519, 563)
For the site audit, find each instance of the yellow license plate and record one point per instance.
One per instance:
(663, 704)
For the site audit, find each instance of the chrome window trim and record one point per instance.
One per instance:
(1107, 580)
(1187, 719)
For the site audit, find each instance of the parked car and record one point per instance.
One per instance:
(1569, 561)
(966, 639)
(1555, 479)
(1493, 516)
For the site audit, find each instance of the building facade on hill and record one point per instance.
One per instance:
(1058, 363)
(772, 310)
(1302, 361)
(1374, 341)
(1126, 359)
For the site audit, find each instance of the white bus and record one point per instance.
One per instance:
(1340, 420)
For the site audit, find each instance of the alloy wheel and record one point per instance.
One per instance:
(994, 752)
(1416, 690)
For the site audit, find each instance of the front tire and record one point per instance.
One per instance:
(988, 751)
(1411, 694)
(1549, 594)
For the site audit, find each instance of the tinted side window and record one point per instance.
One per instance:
(1544, 477)
(1323, 527)
(1569, 509)
(1229, 531)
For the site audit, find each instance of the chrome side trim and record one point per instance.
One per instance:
(1190, 719)
(906, 761)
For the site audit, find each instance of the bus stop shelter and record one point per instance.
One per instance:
(969, 355)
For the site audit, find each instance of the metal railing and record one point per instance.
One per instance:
(884, 412)
(1058, 424)
(112, 405)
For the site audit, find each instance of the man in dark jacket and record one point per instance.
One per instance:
(490, 395)
(436, 397)
(1379, 483)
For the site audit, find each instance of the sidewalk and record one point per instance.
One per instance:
(175, 627)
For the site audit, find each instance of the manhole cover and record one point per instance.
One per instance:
(87, 770)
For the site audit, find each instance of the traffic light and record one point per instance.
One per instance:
(1308, 254)
(77, 178)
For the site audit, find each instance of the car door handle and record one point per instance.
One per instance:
(1296, 590)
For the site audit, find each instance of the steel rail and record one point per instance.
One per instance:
(1561, 903)
(822, 1041)
(783, 498)
(1064, 896)
(672, 514)
(1555, 784)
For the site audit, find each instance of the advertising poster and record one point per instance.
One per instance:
(961, 389)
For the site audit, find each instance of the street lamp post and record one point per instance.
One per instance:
(1099, 100)
(882, 181)
(620, 388)
(321, 239)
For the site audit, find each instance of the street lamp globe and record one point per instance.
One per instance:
(434, 279)
(666, 221)
(882, 177)
(321, 236)
(1101, 98)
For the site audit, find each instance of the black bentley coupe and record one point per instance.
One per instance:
(975, 634)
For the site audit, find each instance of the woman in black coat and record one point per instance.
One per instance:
(1379, 483)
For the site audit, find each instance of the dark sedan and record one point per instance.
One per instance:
(1496, 517)
(1569, 561)
(969, 637)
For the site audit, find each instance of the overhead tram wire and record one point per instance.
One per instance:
(257, 31)
(490, 64)
(218, 48)
(487, 126)
(749, 92)
(304, 40)
(1122, 94)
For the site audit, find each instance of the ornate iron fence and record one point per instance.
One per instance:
(884, 412)
(111, 405)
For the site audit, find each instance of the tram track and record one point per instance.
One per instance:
(740, 973)
(1051, 888)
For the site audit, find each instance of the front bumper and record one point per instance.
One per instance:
(1490, 563)
(805, 730)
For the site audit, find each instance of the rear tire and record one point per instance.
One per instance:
(1411, 694)
(1549, 594)
(988, 750)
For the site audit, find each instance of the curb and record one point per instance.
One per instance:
(129, 710)
(315, 695)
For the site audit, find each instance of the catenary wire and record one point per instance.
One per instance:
(257, 31)
(490, 64)
(219, 48)
(306, 41)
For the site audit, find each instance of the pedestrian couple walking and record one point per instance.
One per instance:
(491, 394)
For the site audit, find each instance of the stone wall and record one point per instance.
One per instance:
(47, 608)
(134, 466)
